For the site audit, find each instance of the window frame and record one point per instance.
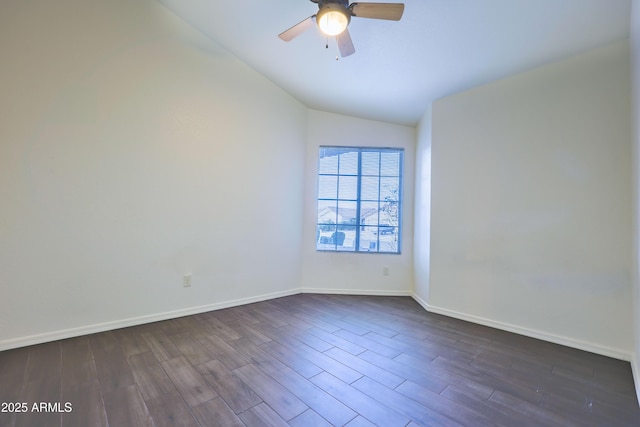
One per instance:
(359, 226)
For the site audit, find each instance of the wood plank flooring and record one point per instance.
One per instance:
(314, 360)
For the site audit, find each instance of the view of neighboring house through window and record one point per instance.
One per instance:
(359, 205)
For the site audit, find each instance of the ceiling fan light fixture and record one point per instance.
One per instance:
(333, 19)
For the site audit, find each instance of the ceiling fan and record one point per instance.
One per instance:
(334, 16)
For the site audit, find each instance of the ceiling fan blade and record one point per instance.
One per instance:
(297, 29)
(345, 45)
(389, 11)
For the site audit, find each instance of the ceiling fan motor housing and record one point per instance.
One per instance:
(321, 3)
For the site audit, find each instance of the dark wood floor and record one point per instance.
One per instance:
(314, 360)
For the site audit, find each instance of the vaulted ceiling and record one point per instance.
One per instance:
(438, 48)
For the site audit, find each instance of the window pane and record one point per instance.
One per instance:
(347, 212)
(388, 239)
(327, 212)
(348, 187)
(368, 239)
(328, 163)
(324, 237)
(390, 164)
(369, 188)
(389, 188)
(327, 187)
(389, 213)
(370, 163)
(345, 238)
(348, 163)
(369, 213)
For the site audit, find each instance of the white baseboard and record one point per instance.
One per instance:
(635, 370)
(557, 339)
(420, 301)
(124, 323)
(133, 321)
(101, 327)
(356, 292)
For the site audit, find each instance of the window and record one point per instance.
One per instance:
(359, 199)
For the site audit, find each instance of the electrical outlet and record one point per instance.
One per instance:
(186, 280)
(385, 270)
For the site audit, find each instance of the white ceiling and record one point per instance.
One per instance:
(440, 47)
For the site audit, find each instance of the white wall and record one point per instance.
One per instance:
(422, 216)
(134, 150)
(356, 272)
(635, 81)
(531, 205)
